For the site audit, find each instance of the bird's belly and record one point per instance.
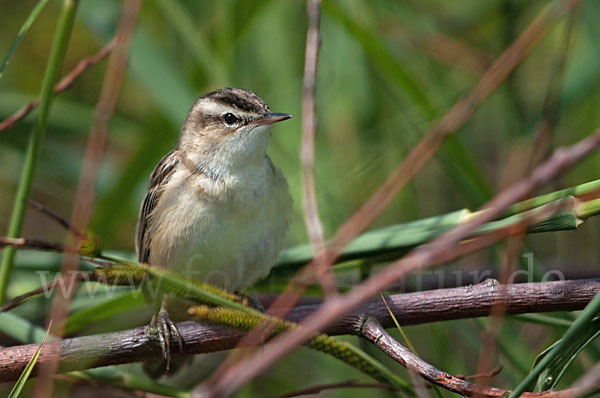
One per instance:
(223, 246)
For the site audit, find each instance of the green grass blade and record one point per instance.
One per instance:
(563, 347)
(404, 336)
(383, 239)
(59, 47)
(588, 209)
(26, 25)
(554, 371)
(18, 387)
(401, 237)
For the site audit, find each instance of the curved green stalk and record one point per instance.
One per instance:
(59, 47)
(165, 281)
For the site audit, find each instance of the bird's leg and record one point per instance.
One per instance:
(251, 302)
(163, 328)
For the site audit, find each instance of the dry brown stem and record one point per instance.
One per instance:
(314, 227)
(62, 85)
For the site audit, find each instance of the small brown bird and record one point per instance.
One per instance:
(217, 209)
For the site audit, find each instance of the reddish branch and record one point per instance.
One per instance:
(413, 308)
(55, 216)
(62, 85)
(68, 280)
(455, 53)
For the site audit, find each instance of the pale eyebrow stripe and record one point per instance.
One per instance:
(214, 108)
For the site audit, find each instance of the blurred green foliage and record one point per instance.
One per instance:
(387, 69)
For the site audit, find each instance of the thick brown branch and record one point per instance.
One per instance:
(466, 302)
(412, 308)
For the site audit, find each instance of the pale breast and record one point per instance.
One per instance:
(229, 236)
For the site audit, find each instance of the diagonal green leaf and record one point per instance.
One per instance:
(554, 371)
(26, 25)
(550, 365)
(550, 197)
(404, 336)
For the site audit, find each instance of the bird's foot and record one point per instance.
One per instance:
(161, 327)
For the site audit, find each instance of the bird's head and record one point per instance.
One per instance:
(226, 130)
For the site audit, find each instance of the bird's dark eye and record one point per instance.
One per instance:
(229, 118)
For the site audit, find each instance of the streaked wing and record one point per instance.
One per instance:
(159, 177)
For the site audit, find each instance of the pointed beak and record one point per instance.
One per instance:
(271, 118)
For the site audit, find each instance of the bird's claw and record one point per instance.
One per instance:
(163, 328)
